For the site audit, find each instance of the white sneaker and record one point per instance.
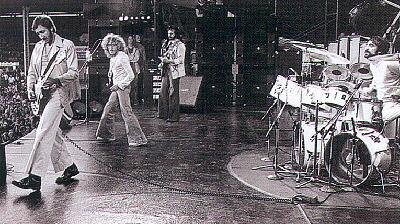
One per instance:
(105, 139)
(136, 144)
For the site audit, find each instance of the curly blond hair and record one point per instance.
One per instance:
(113, 39)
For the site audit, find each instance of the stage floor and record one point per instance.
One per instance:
(199, 170)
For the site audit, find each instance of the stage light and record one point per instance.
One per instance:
(121, 18)
(142, 17)
(148, 17)
(136, 17)
(126, 18)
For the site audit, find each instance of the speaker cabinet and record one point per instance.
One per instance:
(189, 89)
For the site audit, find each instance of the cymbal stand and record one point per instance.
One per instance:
(330, 127)
(84, 66)
(314, 178)
(353, 149)
(330, 188)
(275, 176)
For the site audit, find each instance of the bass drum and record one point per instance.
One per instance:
(372, 152)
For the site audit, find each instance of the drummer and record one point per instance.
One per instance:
(386, 78)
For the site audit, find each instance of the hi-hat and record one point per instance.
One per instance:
(336, 73)
(361, 71)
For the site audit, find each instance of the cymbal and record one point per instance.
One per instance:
(361, 71)
(284, 42)
(343, 85)
(326, 56)
(336, 73)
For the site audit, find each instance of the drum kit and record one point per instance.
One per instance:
(340, 129)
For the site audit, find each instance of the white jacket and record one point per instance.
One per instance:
(121, 70)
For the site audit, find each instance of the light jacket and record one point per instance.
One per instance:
(64, 68)
(176, 53)
(134, 58)
(121, 70)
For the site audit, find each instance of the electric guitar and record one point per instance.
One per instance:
(42, 98)
(42, 95)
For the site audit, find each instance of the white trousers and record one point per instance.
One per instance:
(390, 111)
(49, 143)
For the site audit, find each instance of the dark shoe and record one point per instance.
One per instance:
(68, 173)
(31, 182)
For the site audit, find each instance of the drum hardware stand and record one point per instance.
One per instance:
(97, 44)
(353, 149)
(268, 141)
(330, 126)
(275, 123)
(331, 187)
(269, 125)
(314, 178)
(395, 154)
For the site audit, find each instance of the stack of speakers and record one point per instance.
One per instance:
(255, 49)
(214, 47)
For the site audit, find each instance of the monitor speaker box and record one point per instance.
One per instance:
(189, 92)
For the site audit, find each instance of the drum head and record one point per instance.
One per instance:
(342, 160)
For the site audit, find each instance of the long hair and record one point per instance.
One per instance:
(44, 21)
(178, 33)
(113, 39)
(382, 44)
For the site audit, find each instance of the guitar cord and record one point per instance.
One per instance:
(298, 199)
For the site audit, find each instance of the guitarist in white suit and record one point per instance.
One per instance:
(172, 69)
(52, 81)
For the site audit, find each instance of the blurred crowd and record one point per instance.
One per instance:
(16, 118)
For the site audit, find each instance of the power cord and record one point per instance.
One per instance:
(298, 199)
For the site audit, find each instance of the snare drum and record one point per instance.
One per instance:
(335, 97)
(372, 152)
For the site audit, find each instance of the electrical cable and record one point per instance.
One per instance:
(298, 199)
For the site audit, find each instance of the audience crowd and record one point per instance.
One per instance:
(16, 118)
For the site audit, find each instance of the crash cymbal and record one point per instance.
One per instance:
(326, 56)
(361, 71)
(284, 42)
(336, 73)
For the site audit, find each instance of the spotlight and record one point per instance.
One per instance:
(126, 18)
(148, 17)
(121, 18)
(142, 17)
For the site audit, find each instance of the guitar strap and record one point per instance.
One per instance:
(49, 65)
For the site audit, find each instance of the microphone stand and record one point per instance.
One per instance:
(97, 44)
